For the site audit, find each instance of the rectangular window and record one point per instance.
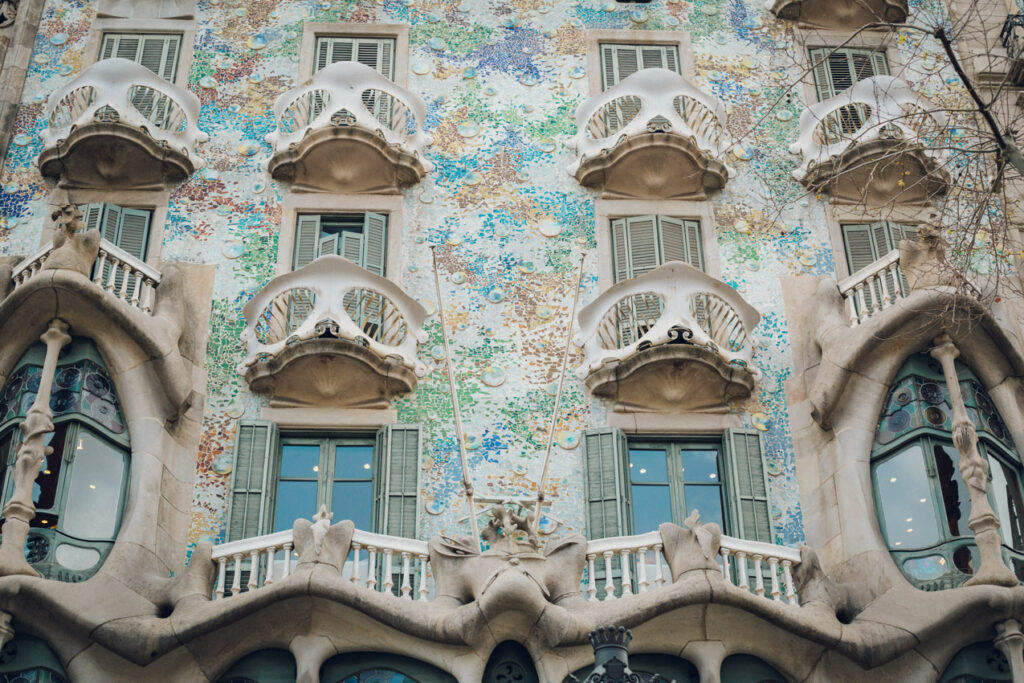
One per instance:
(642, 243)
(158, 53)
(125, 228)
(376, 53)
(865, 243)
(672, 478)
(836, 70)
(619, 61)
(359, 237)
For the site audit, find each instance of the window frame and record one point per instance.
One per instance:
(805, 39)
(837, 215)
(339, 242)
(594, 38)
(313, 30)
(186, 28)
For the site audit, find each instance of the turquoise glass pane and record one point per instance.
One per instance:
(353, 500)
(700, 466)
(353, 462)
(652, 505)
(300, 461)
(905, 499)
(648, 466)
(708, 501)
(295, 499)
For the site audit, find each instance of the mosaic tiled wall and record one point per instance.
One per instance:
(502, 80)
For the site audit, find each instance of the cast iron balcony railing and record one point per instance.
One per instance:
(846, 15)
(874, 141)
(1012, 37)
(349, 129)
(333, 308)
(675, 314)
(115, 271)
(120, 125)
(652, 135)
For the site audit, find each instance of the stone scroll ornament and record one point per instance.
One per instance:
(983, 522)
(32, 453)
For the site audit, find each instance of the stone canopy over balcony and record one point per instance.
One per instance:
(842, 15)
(349, 129)
(672, 340)
(332, 333)
(120, 126)
(653, 135)
(875, 142)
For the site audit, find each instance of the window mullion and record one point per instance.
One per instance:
(676, 479)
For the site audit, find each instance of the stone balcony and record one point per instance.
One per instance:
(874, 143)
(840, 15)
(120, 126)
(654, 135)
(672, 340)
(332, 333)
(349, 130)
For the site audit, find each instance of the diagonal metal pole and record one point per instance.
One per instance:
(467, 486)
(535, 522)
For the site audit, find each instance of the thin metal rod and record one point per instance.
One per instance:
(466, 485)
(558, 397)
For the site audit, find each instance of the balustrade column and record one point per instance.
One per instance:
(236, 583)
(221, 567)
(424, 591)
(726, 571)
(406, 586)
(773, 568)
(1010, 642)
(787, 576)
(591, 581)
(627, 582)
(974, 471)
(287, 558)
(32, 453)
(609, 581)
(641, 569)
(355, 564)
(254, 570)
(659, 577)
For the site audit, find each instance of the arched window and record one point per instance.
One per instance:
(80, 492)
(26, 658)
(262, 666)
(510, 662)
(749, 669)
(978, 663)
(374, 667)
(920, 497)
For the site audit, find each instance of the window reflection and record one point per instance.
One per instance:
(908, 513)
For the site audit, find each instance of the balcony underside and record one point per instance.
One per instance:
(879, 172)
(114, 156)
(841, 14)
(653, 165)
(347, 159)
(673, 378)
(331, 372)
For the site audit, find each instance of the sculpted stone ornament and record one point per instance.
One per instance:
(320, 542)
(691, 547)
(1010, 642)
(8, 12)
(74, 247)
(923, 260)
(32, 453)
(817, 590)
(611, 658)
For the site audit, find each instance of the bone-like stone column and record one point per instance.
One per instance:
(974, 471)
(20, 510)
(1010, 642)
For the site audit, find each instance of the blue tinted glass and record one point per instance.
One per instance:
(905, 497)
(648, 466)
(352, 500)
(378, 676)
(700, 466)
(295, 499)
(353, 462)
(707, 500)
(652, 505)
(300, 461)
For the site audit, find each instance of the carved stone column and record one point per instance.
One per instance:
(20, 510)
(1010, 642)
(6, 631)
(974, 471)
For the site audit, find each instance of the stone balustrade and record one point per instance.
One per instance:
(743, 564)
(115, 271)
(673, 303)
(874, 288)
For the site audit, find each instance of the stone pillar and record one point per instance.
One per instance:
(20, 510)
(6, 632)
(1010, 642)
(974, 471)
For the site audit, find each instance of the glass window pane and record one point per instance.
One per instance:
(649, 466)
(652, 505)
(955, 499)
(905, 499)
(352, 500)
(300, 461)
(707, 500)
(700, 466)
(44, 489)
(353, 462)
(295, 499)
(94, 489)
(1009, 502)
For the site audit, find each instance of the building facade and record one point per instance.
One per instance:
(413, 340)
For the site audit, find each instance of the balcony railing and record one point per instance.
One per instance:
(121, 91)
(1012, 37)
(333, 296)
(881, 108)
(616, 567)
(873, 289)
(349, 94)
(115, 271)
(673, 303)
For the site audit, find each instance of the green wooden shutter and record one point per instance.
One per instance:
(307, 240)
(620, 249)
(899, 232)
(374, 243)
(679, 240)
(861, 249)
(110, 224)
(134, 233)
(352, 247)
(328, 245)
(376, 53)
(642, 238)
(749, 499)
(397, 480)
(606, 483)
(837, 70)
(252, 490)
(92, 214)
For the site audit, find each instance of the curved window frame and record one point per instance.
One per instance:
(26, 654)
(340, 668)
(48, 535)
(951, 558)
(977, 663)
(270, 665)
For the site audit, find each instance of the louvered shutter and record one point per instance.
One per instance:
(619, 62)
(900, 231)
(352, 247)
(861, 251)
(606, 483)
(307, 240)
(374, 243)
(680, 241)
(110, 224)
(620, 249)
(837, 70)
(642, 239)
(328, 245)
(750, 490)
(92, 214)
(134, 233)
(159, 54)
(376, 53)
(397, 483)
(251, 493)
